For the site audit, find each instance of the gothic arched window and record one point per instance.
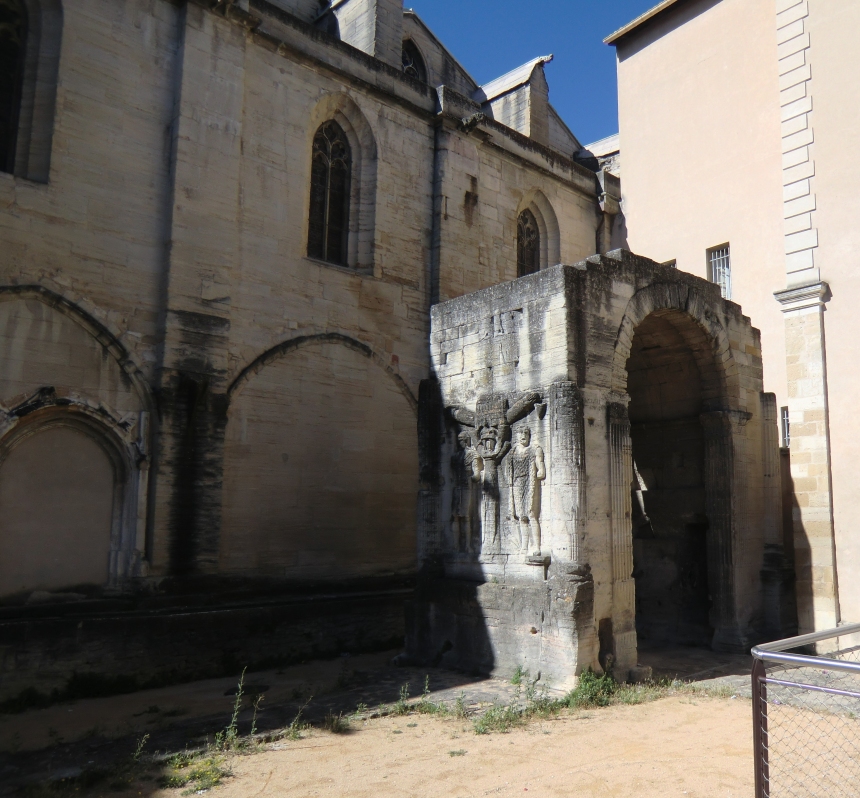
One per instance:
(528, 244)
(13, 40)
(413, 63)
(328, 226)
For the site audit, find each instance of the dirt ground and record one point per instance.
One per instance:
(685, 744)
(678, 746)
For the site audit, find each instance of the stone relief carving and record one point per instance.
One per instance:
(467, 466)
(527, 471)
(492, 421)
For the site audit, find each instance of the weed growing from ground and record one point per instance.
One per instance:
(336, 724)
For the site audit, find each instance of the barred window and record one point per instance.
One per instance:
(413, 63)
(528, 244)
(786, 427)
(13, 40)
(720, 269)
(328, 225)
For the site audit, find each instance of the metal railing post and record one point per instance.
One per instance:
(760, 737)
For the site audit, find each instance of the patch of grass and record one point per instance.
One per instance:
(592, 691)
(401, 707)
(499, 718)
(196, 771)
(461, 752)
(519, 674)
(336, 724)
(425, 706)
(297, 725)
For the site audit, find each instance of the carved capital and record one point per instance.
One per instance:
(617, 413)
(721, 422)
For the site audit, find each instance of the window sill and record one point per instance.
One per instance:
(20, 179)
(366, 271)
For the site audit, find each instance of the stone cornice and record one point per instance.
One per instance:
(803, 296)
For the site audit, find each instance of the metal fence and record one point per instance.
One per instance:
(806, 715)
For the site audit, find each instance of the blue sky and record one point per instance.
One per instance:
(491, 37)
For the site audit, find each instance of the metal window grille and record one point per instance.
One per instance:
(806, 732)
(528, 244)
(720, 269)
(786, 427)
(328, 225)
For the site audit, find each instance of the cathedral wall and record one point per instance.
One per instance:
(484, 190)
(96, 231)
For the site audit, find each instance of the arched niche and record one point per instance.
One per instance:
(342, 109)
(67, 503)
(320, 466)
(539, 206)
(674, 379)
(58, 364)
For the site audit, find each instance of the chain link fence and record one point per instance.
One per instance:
(806, 715)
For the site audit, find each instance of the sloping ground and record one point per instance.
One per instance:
(677, 746)
(685, 739)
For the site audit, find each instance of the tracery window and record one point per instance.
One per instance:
(413, 63)
(13, 40)
(328, 225)
(528, 244)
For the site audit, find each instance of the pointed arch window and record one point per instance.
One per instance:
(13, 41)
(413, 63)
(528, 244)
(328, 226)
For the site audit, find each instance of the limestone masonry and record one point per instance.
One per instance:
(286, 344)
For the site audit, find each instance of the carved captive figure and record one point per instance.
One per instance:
(467, 467)
(527, 471)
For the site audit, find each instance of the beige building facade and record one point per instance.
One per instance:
(736, 124)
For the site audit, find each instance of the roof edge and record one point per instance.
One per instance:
(613, 38)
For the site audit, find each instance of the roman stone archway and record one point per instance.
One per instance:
(613, 360)
(679, 411)
(670, 527)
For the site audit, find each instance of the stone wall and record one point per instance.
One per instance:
(252, 410)
(526, 539)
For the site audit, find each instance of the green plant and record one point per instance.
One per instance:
(592, 691)
(228, 739)
(296, 727)
(499, 718)
(519, 674)
(401, 707)
(138, 751)
(461, 752)
(257, 700)
(336, 724)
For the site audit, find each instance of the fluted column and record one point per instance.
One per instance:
(623, 585)
(566, 478)
(726, 481)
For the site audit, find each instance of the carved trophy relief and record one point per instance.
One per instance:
(468, 467)
(527, 471)
(482, 464)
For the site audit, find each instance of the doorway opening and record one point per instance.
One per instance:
(668, 391)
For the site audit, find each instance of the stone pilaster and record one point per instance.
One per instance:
(567, 480)
(777, 574)
(624, 586)
(724, 494)
(812, 516)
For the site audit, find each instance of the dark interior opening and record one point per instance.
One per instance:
(669, 521)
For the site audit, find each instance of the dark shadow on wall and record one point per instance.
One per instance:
(669, 524)
(787, 570)
(445, 622)
(660, 25)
